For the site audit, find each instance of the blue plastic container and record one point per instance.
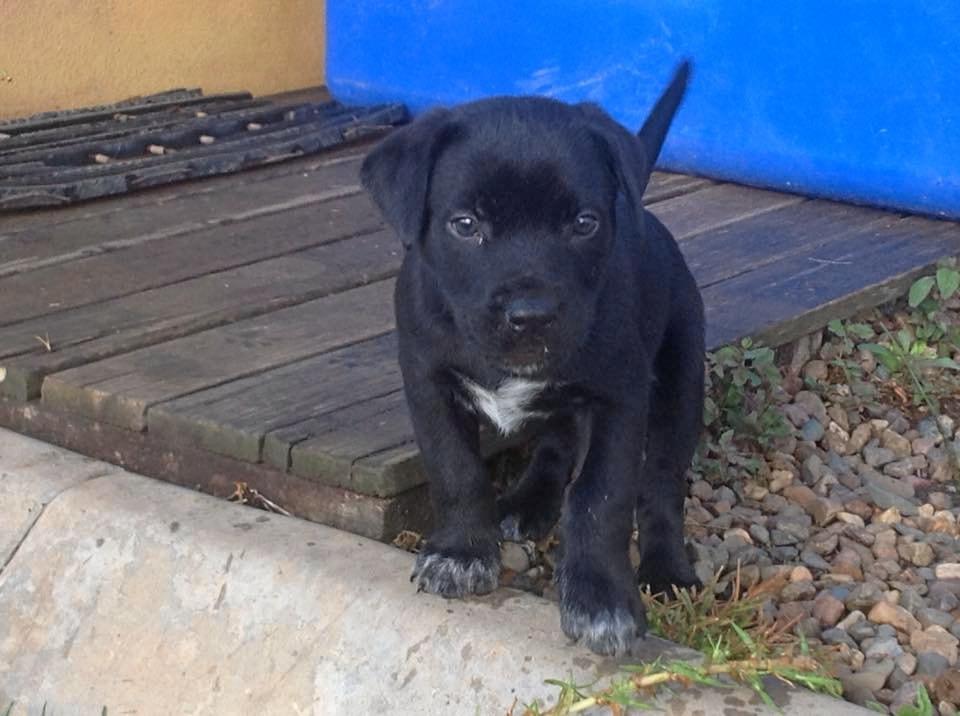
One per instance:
(850, 100)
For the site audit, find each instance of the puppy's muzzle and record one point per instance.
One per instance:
(530, 314)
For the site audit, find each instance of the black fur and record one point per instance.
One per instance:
(609, 326)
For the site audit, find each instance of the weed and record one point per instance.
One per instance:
(916, 349)
(739, 646)
(741, 416)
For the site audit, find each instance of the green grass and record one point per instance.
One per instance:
(738, 645)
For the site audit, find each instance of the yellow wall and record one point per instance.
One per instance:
(56, 54)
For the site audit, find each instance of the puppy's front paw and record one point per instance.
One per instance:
(600, 611)
(458, 570)
(663, 569)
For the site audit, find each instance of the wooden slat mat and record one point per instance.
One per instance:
(241, 329)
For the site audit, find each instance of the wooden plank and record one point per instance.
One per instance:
(233, 419)
(50, 245)
(94, 332)
(14, 222)
(121, 389)
(161, 263)
(712, 207)
(374, 517)
(278, 443)
(799, 294)
(666, 185)
(747, 245)
(368, 448)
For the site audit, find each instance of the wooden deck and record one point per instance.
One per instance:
(239, 329)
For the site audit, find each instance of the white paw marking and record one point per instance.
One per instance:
(605, 633)
(508, 405)
(447, 576)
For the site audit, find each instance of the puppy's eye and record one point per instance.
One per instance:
(586, 224)
(466, 227)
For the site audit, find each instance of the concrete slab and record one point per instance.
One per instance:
(33, 473)
(147, 598)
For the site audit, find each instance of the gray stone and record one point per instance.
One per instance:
(812, 430)
(798, 591)
(877, 456)
(812, 403)
(930, 663)
(927, 427)
(760, 533)
(514, 556)
(873, 674)
(883, 499)
(814, 561)
(725, 494)
(783, 554)
(897, 678)
(911, 600)
(906, 467)
(836, 636)
(862, 630)
(929, 617)
(879, 648)
(886, 482)
(939, 467)
(812, 469)
(796, 414)
(822, 542)
(898, 421)
(885, 631)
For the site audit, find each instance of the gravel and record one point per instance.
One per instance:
(858, 507)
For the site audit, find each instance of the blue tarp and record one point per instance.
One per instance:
(849, 100)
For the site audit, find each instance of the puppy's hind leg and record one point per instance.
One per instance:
(532, 507)
(675, 420)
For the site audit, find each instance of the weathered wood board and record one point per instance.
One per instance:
(241, 329)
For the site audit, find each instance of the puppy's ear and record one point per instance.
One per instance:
(397, 172)
(633, 157)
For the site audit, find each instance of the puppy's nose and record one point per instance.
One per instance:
(525, 314)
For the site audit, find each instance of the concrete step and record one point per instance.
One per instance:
(121, 591)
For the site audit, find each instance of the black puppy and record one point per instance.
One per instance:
(535, 285)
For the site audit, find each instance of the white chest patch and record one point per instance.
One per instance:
(509, 405)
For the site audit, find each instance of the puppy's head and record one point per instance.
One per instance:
(513, 206)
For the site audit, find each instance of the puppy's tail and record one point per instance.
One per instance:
(654, 129)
